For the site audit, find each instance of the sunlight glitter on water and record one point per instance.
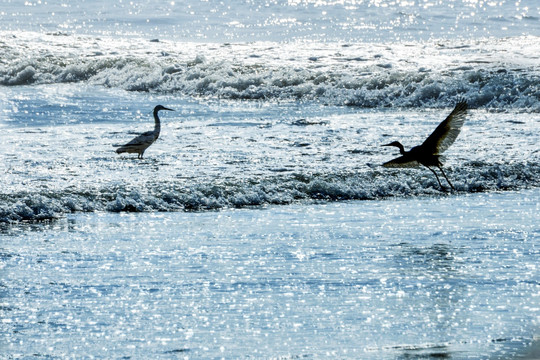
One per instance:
(357, 278)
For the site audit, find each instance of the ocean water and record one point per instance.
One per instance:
(453, 277)
(261, 224)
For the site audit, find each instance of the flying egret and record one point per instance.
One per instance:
(140, 143)
(429, 152)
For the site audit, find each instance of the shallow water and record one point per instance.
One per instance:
(453, 277)
(59, 155)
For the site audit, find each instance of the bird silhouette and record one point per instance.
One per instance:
(429, 152)
(140, 143)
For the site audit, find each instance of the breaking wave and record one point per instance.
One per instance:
(255, 192)
(372, 76)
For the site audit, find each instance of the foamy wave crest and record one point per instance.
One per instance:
(368, 76)
(279, 190)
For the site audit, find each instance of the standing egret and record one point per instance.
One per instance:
(429, 152)
(143, 141)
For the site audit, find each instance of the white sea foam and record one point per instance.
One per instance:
(227, 154)
(259, 192)
(498, 74)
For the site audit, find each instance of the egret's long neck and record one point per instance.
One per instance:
(401, 148)
(157, 125)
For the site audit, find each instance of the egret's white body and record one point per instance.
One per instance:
(140, 143)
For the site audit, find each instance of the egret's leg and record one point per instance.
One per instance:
(452, 186)
(437, 176)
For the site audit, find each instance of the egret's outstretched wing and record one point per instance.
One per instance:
(138, 143)
(446, 133)
(401, 162)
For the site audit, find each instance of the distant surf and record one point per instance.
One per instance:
(497, 74)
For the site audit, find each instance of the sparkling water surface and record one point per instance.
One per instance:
(453, 277)
(277, 20)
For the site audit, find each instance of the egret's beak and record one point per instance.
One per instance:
(167, 109)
